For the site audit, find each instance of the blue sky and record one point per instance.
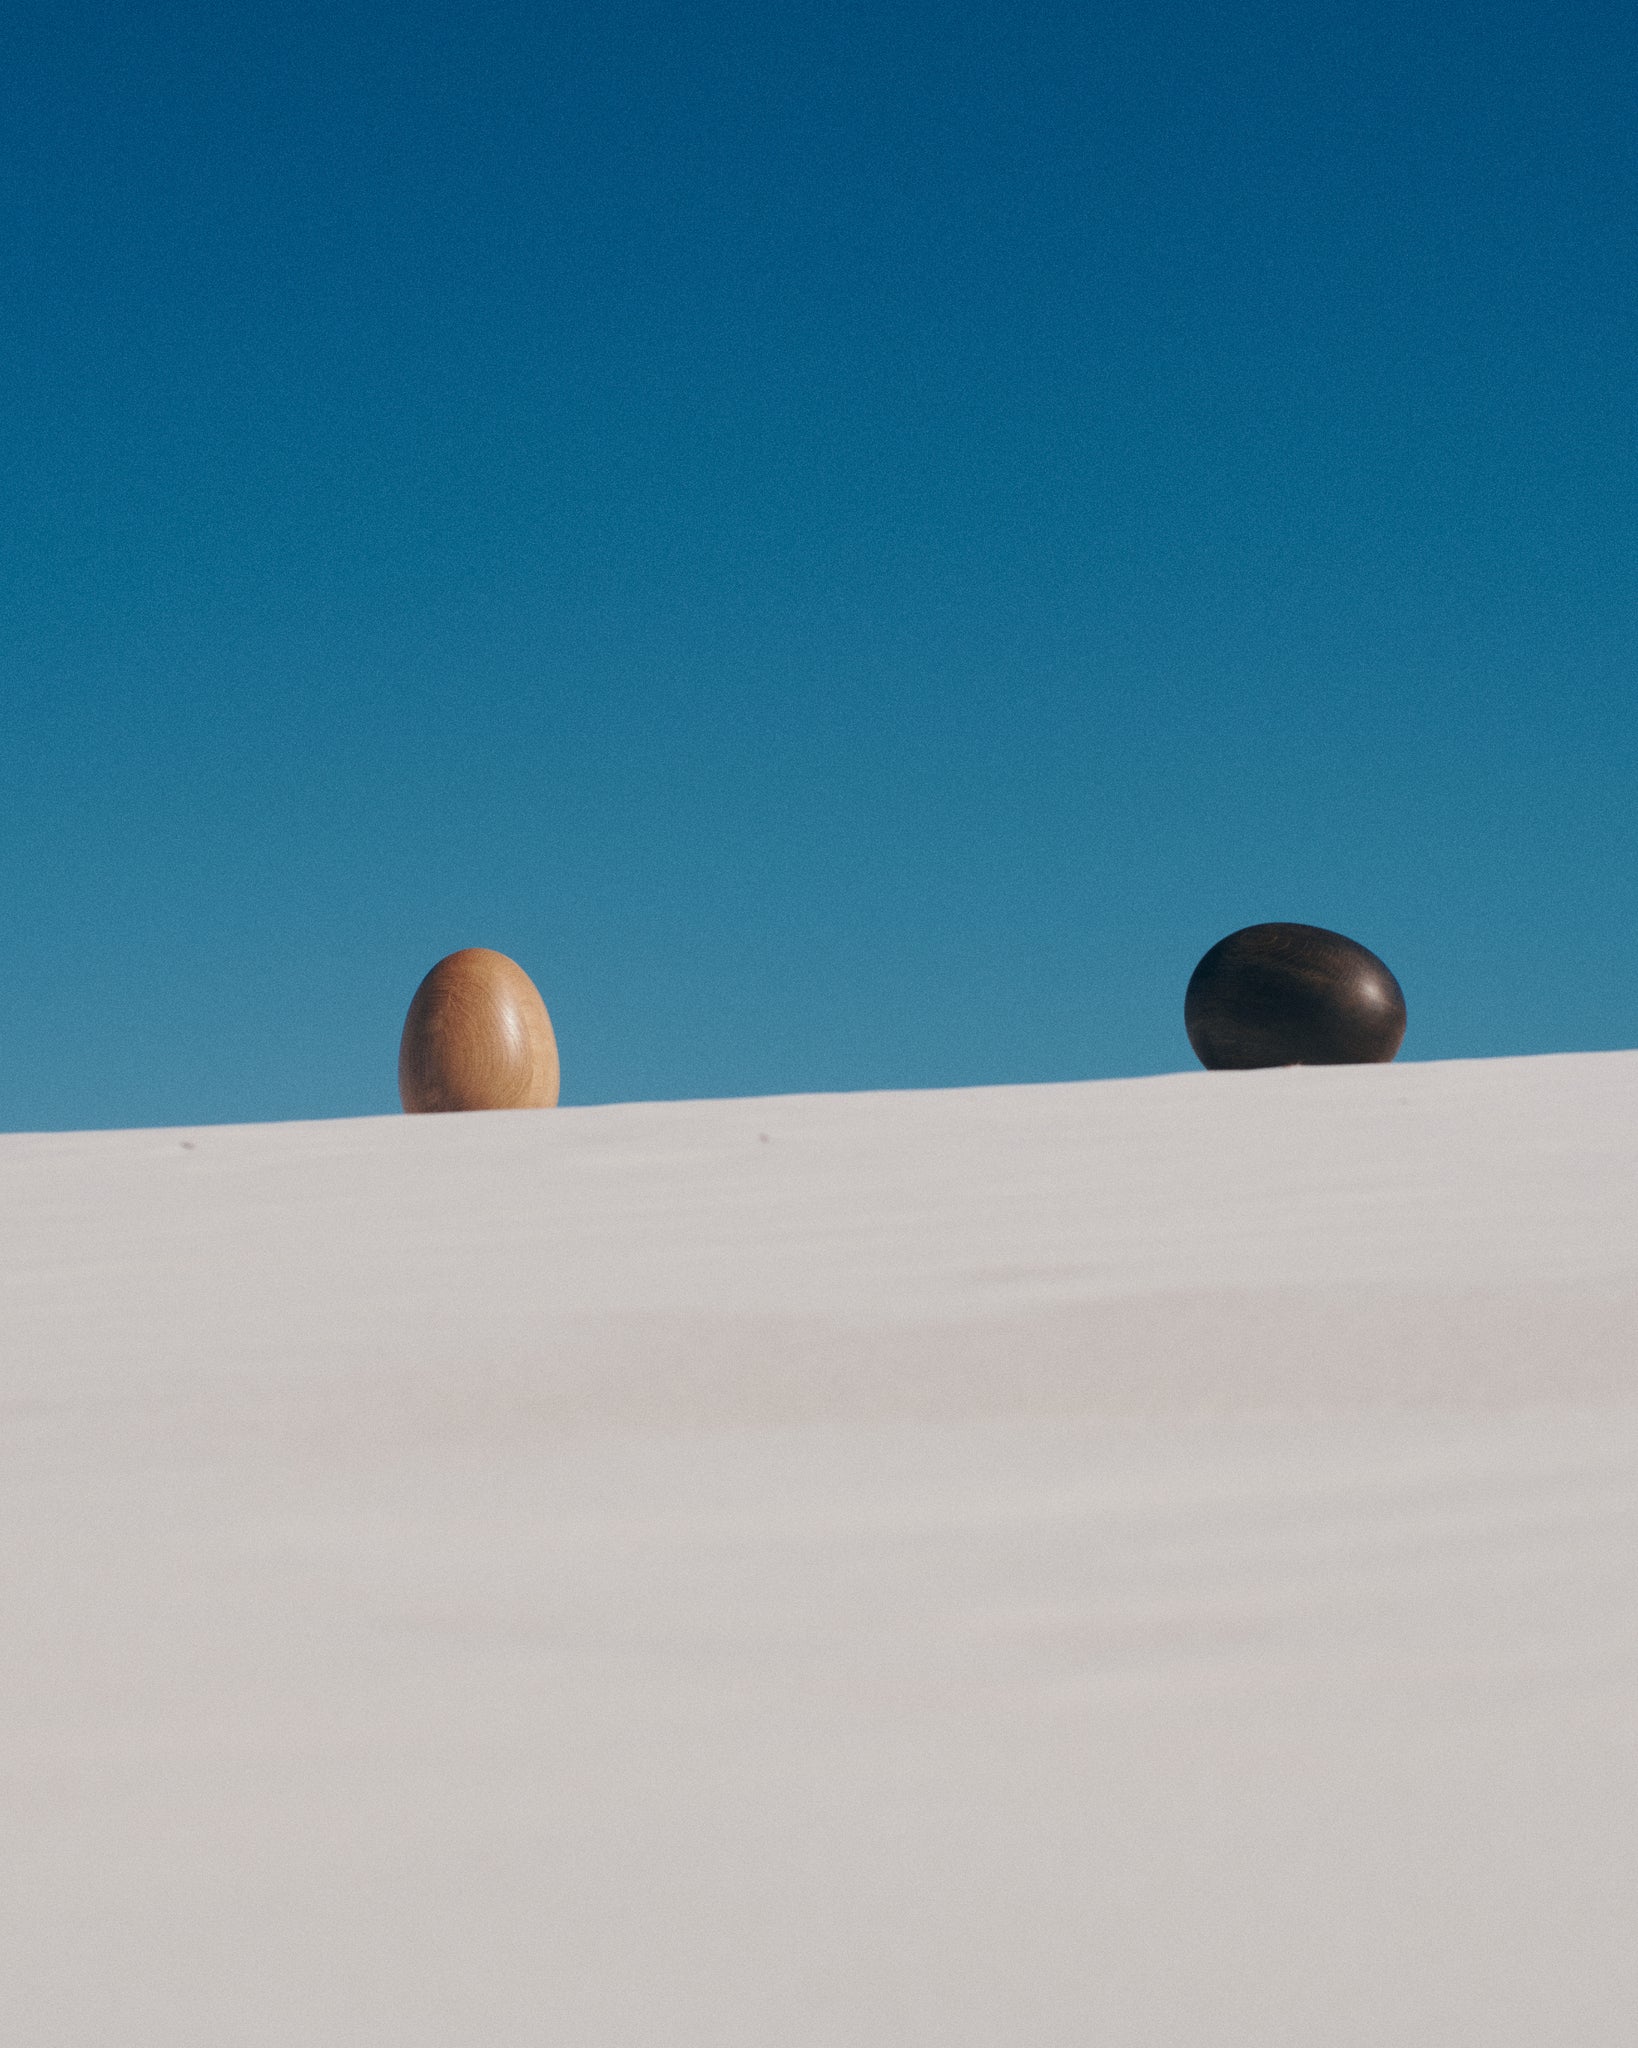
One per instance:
(854, 542)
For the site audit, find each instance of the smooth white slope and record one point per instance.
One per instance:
(1146, 1562)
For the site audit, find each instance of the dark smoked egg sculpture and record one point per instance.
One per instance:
(1292, 995)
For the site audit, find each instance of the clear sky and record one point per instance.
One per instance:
(853, 541)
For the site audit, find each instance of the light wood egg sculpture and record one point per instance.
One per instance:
(477, 1037)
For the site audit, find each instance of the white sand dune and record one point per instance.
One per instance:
(1149, 1562)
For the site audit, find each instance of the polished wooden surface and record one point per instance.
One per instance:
(1292, 995)
(477, 1037)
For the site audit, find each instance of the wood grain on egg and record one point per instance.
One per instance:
(1282, 995)
(477, 1037)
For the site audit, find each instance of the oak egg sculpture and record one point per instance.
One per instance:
(477, 1037)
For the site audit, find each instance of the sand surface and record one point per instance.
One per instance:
(1139, 1563)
